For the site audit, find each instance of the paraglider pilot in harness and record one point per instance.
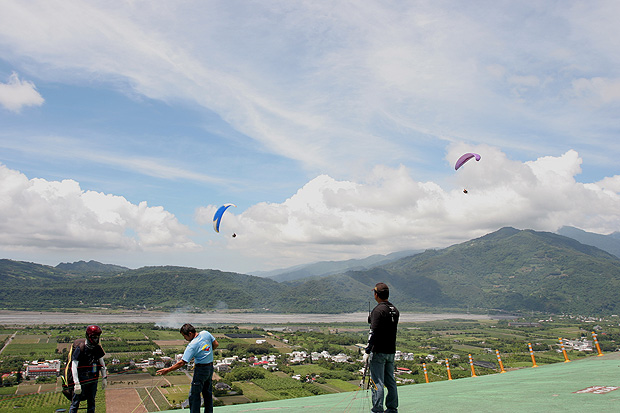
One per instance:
(82, 372)
(381, 350)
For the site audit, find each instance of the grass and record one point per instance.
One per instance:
(30, 339)
(308, 369)
(254, 392)
(178, 379)
(31, 350)
(164, 335)
(5, 391)
(238, 399)
(341, 385)
(44, 403)
(176, 394)
(148, 403)
(159, 398)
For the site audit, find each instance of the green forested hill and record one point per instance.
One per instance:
(160, 287)
(90, 268)
(510, 269)
(21, 273)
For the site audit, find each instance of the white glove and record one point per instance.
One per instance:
(104, 382)
(365, 358)
(77, 389)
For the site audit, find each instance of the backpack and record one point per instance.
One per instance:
(67, 377)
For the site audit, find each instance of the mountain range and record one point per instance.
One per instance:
(325, 268)
(507, 270)
(609, 243)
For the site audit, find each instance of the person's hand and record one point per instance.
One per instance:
(77, 389)
(104, 383)
(365, 358)
(161, 372)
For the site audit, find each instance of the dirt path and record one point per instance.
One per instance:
(8, 342)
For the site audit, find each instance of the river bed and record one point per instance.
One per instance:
(176, 319)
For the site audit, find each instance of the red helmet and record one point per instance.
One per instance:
(92, 333)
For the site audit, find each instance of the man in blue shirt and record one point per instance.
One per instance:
(200, 348)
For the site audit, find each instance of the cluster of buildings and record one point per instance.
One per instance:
(47, 368)
(302, 356)
(268, 362)
(404, 356)
(579, 345)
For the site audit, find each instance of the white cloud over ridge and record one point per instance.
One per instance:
(36, 213)
(330, 90)
(16, 94)
(391, 211)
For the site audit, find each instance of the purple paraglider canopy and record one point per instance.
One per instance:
(466, 158)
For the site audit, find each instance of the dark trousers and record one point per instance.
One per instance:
(382, 374)
(201, 384)
(89, 391)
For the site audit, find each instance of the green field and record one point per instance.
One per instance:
(176, 394)
(304, 369)
(341, 385)
(44, 403)
(254, 392)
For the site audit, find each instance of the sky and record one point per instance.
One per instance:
(333, 127)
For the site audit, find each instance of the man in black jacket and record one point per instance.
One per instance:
(381, 349)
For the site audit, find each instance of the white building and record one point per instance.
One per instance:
(47, 368)
(579, 345)
(340, 358)
(297, 356)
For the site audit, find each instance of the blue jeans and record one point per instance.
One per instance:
(89, 391)
(382, 374)
(201, 384)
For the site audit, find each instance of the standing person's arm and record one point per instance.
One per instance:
(175, 366)
(215, 344)
(77, 387)
(371, 334)
(104, 374)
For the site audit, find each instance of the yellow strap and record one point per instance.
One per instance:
(69, 361)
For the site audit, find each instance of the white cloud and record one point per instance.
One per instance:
(16, 94)
(610, 184)
(390, 211)
(60, 215)
(331, 91)
(598, 90)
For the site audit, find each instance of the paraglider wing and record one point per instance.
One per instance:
(465, 158)
(217, 218)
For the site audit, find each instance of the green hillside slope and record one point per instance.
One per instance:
(510, 270)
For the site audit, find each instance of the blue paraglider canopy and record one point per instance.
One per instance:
(466, 157)
(217, 218)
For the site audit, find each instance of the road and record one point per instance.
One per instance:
(8, 342)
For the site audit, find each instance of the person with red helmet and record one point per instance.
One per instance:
(86, 363)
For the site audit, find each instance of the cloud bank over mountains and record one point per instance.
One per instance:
(333, 126)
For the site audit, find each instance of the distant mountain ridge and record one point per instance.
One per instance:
(510, 269)
(90, 267)
(507, 270)
(325, 268)
(609, 243)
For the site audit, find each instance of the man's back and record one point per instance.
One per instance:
(384, 324)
